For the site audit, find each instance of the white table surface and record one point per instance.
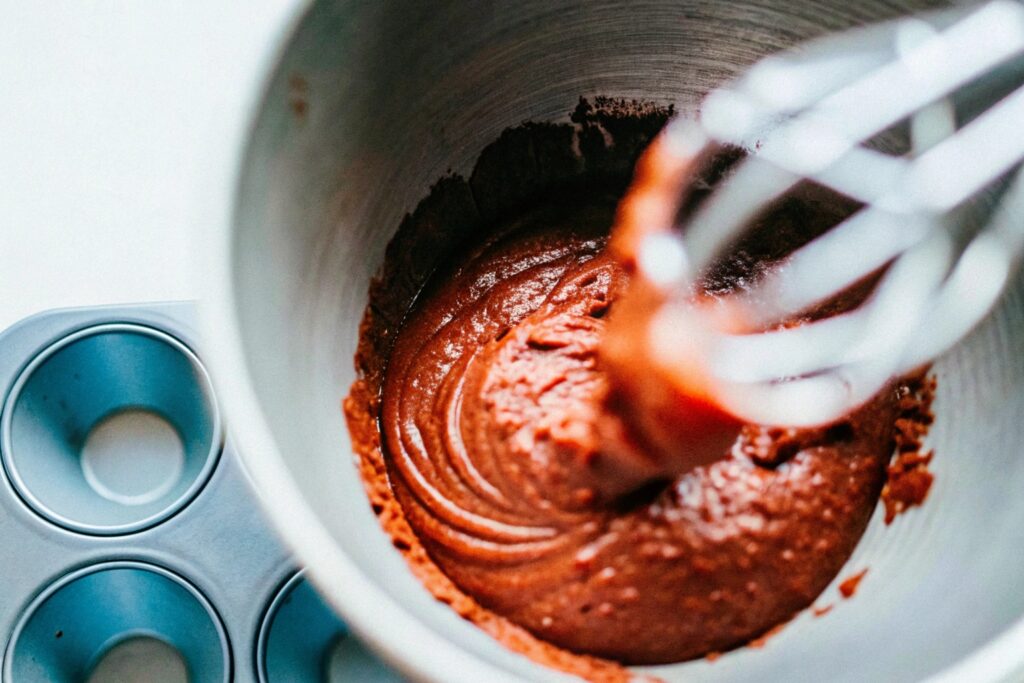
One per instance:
(112, 111)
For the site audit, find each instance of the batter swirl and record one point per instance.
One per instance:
(495, 408)
(521, 456)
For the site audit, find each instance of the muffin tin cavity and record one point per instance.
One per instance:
(111, 429)
(301, 640)
(98, 623)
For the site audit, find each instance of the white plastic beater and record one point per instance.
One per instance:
(811, 113)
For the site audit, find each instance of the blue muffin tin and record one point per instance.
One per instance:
(133, 538)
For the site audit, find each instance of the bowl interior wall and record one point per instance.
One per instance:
(398, 94)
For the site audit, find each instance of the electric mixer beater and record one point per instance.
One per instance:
(918, 121)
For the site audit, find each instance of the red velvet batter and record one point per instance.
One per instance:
(523, 472)
(493, 414)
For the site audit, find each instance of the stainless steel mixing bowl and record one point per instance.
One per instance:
(365, 105)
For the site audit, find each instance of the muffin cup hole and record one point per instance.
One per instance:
(119, 621)
(301, 639)
(140, 659)
(111, 430)
(133, 457)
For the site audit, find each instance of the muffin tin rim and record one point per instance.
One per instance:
(281, 591)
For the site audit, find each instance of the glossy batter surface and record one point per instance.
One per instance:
(507, 463)
(493, 407)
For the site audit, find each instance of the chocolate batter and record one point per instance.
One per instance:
(492, 411)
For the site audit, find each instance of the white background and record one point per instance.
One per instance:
(112, 112)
